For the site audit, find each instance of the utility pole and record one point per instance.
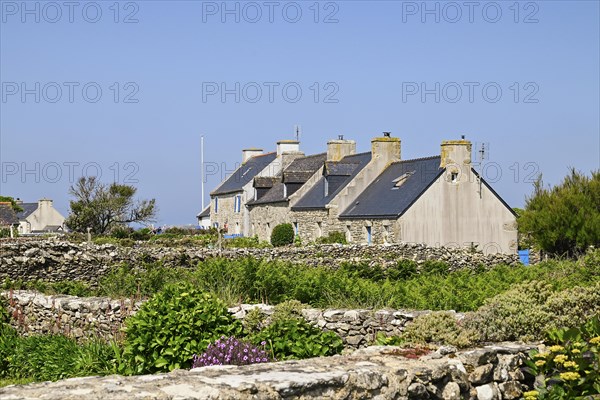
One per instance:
(202, 169)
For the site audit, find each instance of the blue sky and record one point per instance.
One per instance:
(127, 88)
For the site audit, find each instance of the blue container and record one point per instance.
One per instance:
(524, 256)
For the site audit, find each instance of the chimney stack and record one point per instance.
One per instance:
(386, 148)
(249, 153)
(340, 148)
(455, 152)
(288, 146)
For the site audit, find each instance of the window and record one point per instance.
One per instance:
(237, 203)
(454, 177)
(348, 234)
(296, 228)
(369, 237)
(319, 229)
(216, 225)
(216, 205)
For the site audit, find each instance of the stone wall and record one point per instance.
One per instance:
(81, 318)
(55, 260)
(489, 373)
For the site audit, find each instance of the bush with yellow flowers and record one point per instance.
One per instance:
(568, 369)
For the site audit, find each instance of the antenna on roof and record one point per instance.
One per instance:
(387, 134)
(297, 129)
(482, 155)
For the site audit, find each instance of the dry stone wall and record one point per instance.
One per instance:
(56, 260)
(490, 373)
(81, 318)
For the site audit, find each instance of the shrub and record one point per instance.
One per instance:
(141, 234)
(231, 351)
(175, 324)
(245, 242)
(514, 315)
(564, 219)
(439, 327)
(570, 366)
(283, 234)
(332, 237)
(530, 309)
(121, 232)
(289, 309)
(297, 339)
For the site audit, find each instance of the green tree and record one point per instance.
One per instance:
(564, 219)
(102, 207)
(17, 208)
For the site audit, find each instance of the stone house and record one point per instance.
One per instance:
(342, 179)
(228, 208)
(438, 201)
(40, 217)
(270, 206)
(376, 197)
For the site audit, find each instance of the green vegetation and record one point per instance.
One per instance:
(175, 324)
(565, 219)
(185, 314)
(530, 309)
(282, 235)
(404, 285)
(296, 339)
(51, 357)
(332, 237)
(571, 365)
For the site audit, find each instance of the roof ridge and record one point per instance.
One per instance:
(416, 159)
(262, 155)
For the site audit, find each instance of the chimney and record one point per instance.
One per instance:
(340, 148)
(288, 146)
(455, 152)
(249, 153)
(288, 151)
(44, 203)
(386, 148)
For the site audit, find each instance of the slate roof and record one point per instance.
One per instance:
(7, 215)
(395, 189)
(315, 198)
(299, 171)
(264, 182)
(244, 174)
(28, 209)
(204, 213)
